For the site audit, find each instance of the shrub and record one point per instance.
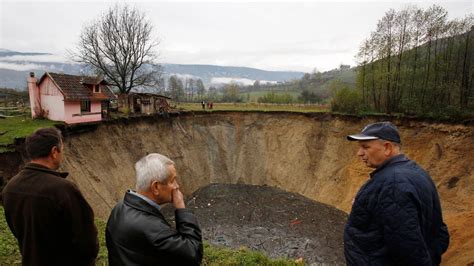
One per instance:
(346, 100)
(276, 98)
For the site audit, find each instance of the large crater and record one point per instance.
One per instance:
(276, 222)
(301, 153)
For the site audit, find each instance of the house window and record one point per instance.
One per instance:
(96, 88)
(85, 106)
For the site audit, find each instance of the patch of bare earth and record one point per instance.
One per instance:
(278, 223)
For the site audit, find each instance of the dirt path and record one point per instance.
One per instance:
(279, 223)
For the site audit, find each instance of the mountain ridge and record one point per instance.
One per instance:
(13, 71)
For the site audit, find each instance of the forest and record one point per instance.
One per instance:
(415, 62)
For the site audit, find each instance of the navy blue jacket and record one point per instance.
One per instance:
(396, 218)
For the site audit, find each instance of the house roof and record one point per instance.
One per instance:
(149, 94)
(79, 87)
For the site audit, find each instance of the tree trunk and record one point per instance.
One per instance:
(374, 96)
(465, 90)
(412, 92)
(425, 85)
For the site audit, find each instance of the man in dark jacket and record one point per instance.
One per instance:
(48, 215)
(138, 234)
(396, 216)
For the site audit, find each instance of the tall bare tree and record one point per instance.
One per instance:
(402, 36)
(176, 88)
(469, 36)
(120, 46)
(435, 20)
(385, 30)
(200, 88)
(417, 28)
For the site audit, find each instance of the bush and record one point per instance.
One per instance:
(275, 98)
(346, 100)
(310, 97)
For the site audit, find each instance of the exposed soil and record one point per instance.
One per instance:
(278, 223)
(306, 154)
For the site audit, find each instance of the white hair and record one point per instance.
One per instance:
(153, 167)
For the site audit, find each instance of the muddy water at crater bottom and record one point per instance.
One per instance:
(278, 223)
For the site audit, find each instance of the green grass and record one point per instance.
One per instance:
(241, 256)
(305, 108)
(10, 254)
(254, 95)
(17, 127)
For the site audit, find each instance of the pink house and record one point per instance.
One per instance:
(69, 98)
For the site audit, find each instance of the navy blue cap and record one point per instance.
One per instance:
(379, 130)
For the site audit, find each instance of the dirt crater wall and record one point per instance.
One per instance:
(303, 153)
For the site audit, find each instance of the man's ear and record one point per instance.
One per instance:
(155, 188)
(53, 151)
(388, 148)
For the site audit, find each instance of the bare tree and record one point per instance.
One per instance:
(417, 28)
(469, 35)
(435, 20)
(120, 46)
(385, 33)
(200, 88)
(402, 36)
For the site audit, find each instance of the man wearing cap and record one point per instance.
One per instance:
(396, 216)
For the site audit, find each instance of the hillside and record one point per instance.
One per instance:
(318, 83)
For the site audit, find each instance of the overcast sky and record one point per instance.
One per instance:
(268, 35)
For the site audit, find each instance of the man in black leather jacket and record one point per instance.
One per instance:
(138, 234)
(396, 217)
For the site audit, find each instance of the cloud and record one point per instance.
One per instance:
(243, 81)
(183, 76)
(34, 58)
(21, 67)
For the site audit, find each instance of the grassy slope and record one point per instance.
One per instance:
(9, 253)
(17, 127)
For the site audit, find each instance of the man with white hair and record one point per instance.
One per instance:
(137, 232)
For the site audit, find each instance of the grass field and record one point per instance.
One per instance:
(268, 107)
(10, 254)
(17, 127)
(254, 95)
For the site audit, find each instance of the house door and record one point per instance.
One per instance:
(104, 107)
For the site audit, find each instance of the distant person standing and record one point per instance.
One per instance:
(396, 216)
(203, 103)
(138, 233)
(48, 215)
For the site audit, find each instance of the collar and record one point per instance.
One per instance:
(134, 201)
(42, 168)
(387, 163)
(151, 202)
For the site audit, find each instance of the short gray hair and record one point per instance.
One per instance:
(153, 167)
(396, 144)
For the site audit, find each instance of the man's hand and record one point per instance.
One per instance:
(178, 201)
